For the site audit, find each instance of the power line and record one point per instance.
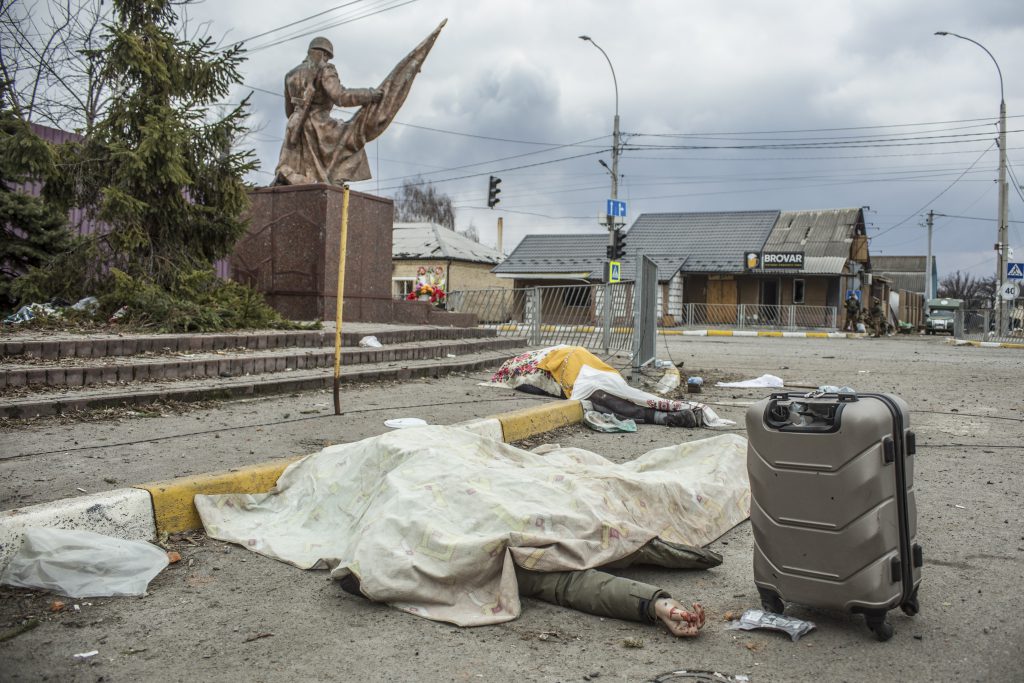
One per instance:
(929, 203)
(299, 21)
(378, 9)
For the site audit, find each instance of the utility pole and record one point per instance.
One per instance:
(1004, 239)
(928, 293)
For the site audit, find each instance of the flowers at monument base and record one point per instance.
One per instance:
(426, 291)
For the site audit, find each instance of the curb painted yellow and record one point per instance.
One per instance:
(522, 424)
(173, 508)
(768, 334)
(991, 345)
(719, 333)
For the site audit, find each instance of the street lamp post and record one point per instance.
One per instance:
(1002, 235)
(615, 129)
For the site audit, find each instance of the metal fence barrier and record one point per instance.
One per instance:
(753, 316)
(980, 324)
(562, 314)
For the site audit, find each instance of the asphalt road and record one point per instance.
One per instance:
(226, 614)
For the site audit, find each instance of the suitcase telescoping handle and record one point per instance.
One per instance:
(807, 413)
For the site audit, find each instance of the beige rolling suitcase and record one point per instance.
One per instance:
(833, 512)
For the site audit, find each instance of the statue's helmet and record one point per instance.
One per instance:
(321, 43)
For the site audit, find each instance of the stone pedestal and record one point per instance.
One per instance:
(290, 252)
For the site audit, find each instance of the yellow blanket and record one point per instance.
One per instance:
(564, 365)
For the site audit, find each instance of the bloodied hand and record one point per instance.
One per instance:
(680, 621)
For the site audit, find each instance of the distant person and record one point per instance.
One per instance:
(877, 317)
(852, 312)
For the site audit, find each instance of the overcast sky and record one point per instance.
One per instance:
(788, 104)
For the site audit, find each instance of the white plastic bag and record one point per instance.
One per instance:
(371, 342)
(83, 564)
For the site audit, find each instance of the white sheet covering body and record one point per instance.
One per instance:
(431, 519)
(590, 380)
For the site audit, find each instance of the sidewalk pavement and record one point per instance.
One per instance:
(147, 511)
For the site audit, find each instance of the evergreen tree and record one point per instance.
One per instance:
(32, 229)
(158, 168)
(160, 171)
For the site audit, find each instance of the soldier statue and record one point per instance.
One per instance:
(318, 148)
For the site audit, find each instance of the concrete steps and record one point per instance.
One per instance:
(58, 376)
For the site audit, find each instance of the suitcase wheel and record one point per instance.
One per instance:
(882, 629)
(771, 602)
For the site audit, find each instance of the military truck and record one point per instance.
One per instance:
(940, 314)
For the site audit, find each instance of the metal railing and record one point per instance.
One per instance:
(561, 314)
(980, 325)
(754, 316)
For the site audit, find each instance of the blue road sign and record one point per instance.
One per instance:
(1015, 271)
(614, 271)
(616, 208)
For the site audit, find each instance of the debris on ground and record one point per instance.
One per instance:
(606, 422)
(16, 631)
(762, 382)
(83, 564)
(257, 636)
(86, 655)
(370, 342)
(636, 643)
(758, 619)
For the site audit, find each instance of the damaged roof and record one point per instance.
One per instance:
(825, 236)
(430, 241)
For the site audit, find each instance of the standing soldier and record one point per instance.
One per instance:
(877, 317)
(852, 312)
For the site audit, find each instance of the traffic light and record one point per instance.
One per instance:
(617, 249)
(492, 192)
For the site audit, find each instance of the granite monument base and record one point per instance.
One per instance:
(290, 255)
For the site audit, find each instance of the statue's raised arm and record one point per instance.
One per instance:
(321, 149)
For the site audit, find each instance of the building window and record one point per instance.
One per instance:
(402, 286)
(576, 297)
(798, 291)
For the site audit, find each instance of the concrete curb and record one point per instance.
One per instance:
(985, 344)
(146, 511)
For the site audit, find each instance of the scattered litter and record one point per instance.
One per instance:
(118, 314)
(669, 381)
(57, 606)
(606, 422)
(756, 618)
(371, 342)
(861, 328)
(83, 564)
(86, 655)
(703, 676)
(257, 636)
(29, 312)
(80, 489)
(960, 507)
(548, 635)
(173, 556)
(732, 615)
(833, 389)
(762, 382)
(89, 303)
(404, 422)
(694, 385)
(633, 643)
(451, 355)
(662, 364)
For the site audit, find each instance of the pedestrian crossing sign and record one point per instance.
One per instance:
(1015, 271)
(614, 271)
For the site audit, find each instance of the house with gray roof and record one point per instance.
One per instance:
(466, 264)
(766, 257)
(908, 273)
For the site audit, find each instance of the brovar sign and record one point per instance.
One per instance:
(782, 260)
